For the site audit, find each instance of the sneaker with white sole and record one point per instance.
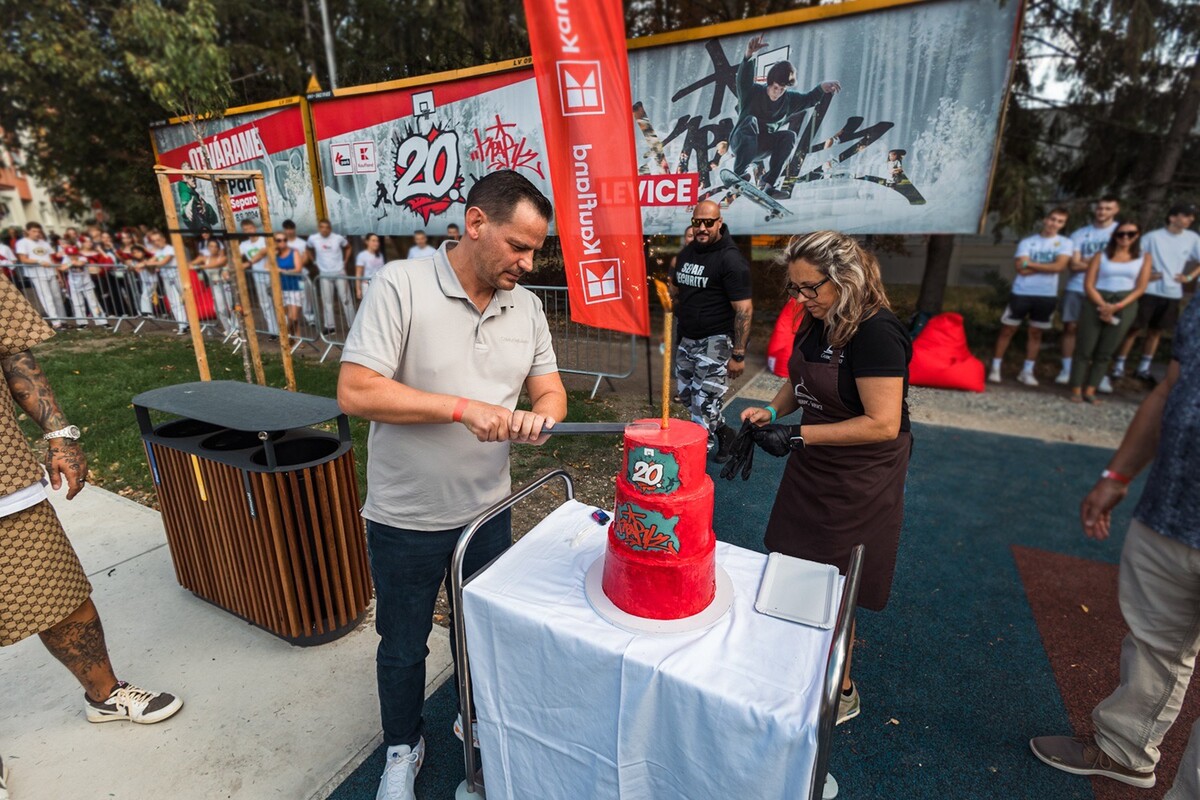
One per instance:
(458, 730)
(1027, 378)
(1084, 757)
(400, 772)
(1105, 386)
(849, 705)
(994, 375)
(128, 702)
(1063, 377)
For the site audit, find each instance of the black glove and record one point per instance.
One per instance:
(778, 440)
(741, 454)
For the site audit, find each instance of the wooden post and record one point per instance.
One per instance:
(239, 274)
(285, 337)
(185, 277)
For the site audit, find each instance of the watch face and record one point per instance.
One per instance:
(73, 432)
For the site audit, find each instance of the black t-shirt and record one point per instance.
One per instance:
(880, 349)
(709, 277)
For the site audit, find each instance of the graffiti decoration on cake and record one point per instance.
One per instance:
(645, 530)
(652, 471)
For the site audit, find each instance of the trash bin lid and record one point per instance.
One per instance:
(241, 406)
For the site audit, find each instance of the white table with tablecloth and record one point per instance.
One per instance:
(570, 706)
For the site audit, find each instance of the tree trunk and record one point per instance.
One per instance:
(1172, 149)
(937, 272)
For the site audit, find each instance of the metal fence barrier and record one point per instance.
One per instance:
(583, 350)
(306, 330)
(340, 296)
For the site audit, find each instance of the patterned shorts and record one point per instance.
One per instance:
(41, 579)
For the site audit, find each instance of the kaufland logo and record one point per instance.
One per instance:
(579, 88)
(601, 280)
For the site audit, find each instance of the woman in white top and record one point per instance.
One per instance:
(1116, 277)
(215, 265)
(367, 263)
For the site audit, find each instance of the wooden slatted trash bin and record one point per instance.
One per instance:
(260, 508)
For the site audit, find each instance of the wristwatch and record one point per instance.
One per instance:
(738, 357)
(69, 432)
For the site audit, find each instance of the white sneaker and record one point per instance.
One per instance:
(994, 375)
(134, 704)
(1105, 386)
(400, 772)
(458, 730)
(1027, 378)
(1118, 371)
(1064, 377)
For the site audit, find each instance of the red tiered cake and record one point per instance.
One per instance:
(661, 557)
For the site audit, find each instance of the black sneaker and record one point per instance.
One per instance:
(724, 445)
(779, 194)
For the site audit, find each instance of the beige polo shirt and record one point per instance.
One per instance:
(418, 327)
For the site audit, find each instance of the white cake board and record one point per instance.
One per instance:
(599, 601)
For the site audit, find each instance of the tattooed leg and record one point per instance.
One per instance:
(78, 642)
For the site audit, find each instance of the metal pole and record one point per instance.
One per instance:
(333, 81)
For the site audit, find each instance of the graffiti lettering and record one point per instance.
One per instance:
(497, 148)
(723, 78)
(428, 176)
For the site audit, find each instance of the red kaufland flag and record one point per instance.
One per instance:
(582, 72)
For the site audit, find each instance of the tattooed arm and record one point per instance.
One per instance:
(743, 311)
(31, 390)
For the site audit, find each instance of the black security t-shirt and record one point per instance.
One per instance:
(880, 349)
(709, 277)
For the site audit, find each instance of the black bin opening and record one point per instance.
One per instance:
(298, 451)
(236, 440)
(182, 428)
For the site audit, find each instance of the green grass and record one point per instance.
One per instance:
(95, 374)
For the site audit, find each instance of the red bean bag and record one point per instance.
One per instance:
(779, 348)
(941, 358)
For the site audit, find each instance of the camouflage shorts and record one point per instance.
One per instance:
(702, 376)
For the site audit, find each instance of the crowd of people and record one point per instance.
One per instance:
(94, 277)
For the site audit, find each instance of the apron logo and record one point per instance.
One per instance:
(804, 398)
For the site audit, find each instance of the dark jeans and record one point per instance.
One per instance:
(407, 567)
(750, 143)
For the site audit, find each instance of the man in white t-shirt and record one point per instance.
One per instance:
(253, 248)
(164, 262)
(421, 248)
(1089, 240)
(36, 256)
(332, 254)
(1038, 261)
(1172, 249)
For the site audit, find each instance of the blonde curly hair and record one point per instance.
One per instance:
(848, 266)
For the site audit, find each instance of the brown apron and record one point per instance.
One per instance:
(832, 498)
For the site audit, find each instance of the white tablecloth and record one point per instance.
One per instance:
(570, 706)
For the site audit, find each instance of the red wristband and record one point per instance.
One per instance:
(459, 409)
(1116, 476)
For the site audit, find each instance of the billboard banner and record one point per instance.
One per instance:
(398, 160)
(271, 140)
(879, 122)
(582, 73)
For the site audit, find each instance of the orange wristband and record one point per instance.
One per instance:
(459, 409)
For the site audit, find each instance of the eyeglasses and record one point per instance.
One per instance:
(704, 223)
(1126, 234)
(809, 292)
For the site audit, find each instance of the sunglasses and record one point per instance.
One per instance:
(1126, 235)
(809, 292)
(704, 223)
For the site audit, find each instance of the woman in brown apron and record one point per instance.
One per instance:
(848, 376)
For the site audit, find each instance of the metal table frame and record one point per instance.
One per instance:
(835, 666)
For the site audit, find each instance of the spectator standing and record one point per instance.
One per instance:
(291, 268)
(1159, 585)
(1088, 240)
(253, 248)
(712, 302)
(332, 253)
(1038, 261)
(368, 262)
(421, 247)
(147, 277)
(1172, 249)
(37, 259)
(1116, 277)
(84, 271)
(164, 264)
(452, 233)
(214, 263)
(300, 248)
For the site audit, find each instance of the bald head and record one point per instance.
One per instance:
(706, 219)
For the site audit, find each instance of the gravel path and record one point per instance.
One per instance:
(1009, 408)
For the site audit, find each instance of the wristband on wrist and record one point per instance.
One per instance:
(459, 409)
(1116, 476)
(771, 410)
